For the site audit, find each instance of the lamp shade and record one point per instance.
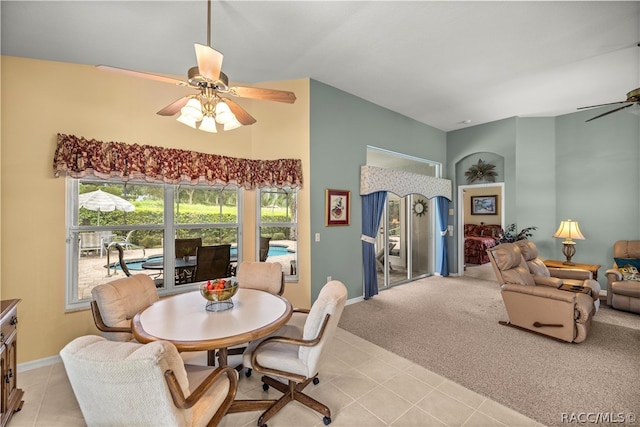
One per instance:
(223, 113)
(569, 230)
(208, 124)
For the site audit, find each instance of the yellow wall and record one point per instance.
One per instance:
(487, 219)
(41, 99)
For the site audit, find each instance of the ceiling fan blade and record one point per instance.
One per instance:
(240, 113)
(209, 62)
(265, 94)
(174, 107)
(141, 74)
(610, 112)
(602, 105)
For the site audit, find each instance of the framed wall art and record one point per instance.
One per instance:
(338, 207)
(484, 205)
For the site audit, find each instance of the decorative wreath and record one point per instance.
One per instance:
(481, 171)
(419, 207)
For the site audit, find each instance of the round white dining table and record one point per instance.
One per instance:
(184, 321)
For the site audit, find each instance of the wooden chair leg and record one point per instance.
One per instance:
(279, 404)
(292, 391)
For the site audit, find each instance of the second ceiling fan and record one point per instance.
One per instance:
(633, 98)
(207, 107)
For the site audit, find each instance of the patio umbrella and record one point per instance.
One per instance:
(104, 202)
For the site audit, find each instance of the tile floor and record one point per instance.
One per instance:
(363, 384)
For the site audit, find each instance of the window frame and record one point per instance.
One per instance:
(290, 224)
(169, 228)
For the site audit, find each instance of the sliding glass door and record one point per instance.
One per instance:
(402, 244)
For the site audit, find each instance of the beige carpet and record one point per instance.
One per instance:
(450, 326)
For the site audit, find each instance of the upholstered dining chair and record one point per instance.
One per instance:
(264, 276)
(212, 262)
(293, 356)
(133, 384)
(115, 303)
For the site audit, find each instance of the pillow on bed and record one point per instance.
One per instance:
(471, 230)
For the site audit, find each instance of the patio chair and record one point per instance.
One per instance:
(212, 262)
(186, 248)
(159, 282)
(264, 248)
(125, 242)
(90, 242)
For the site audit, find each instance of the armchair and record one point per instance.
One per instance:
(534, 303)
(623, 293)
(128, 383)
(568, 276)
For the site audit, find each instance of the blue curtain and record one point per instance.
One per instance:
(372, 208)
(442, 259)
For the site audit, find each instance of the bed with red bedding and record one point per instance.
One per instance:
(477, 239)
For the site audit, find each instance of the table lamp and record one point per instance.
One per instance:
(569, 230)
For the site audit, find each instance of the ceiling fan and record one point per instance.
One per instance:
(633, 98)
(208, 106)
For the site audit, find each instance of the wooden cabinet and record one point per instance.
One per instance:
(10, 395)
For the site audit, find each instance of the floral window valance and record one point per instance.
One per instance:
(79, 157)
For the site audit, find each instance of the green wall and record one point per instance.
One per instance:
(559, 168)
(342, 125)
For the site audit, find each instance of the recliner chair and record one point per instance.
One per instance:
(569, 276)
(623, 294)
(534, 303)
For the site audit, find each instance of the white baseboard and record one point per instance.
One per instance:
(34, 364)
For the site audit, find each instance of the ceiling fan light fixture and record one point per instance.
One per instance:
(186, 120)
(223, 113)
(233, 124)
(192, 110)
(208, 124)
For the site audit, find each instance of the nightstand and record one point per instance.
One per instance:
(593, 268)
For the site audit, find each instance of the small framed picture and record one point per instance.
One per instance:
(338, 207)
(483, 205)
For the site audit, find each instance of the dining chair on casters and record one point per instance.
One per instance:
(263, 276)
(294, 356)
(128, 383)
(115, 303)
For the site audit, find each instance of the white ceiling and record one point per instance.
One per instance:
(439, 62)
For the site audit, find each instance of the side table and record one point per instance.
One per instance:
(593, 268)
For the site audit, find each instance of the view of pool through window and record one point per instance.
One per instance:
(275, 250)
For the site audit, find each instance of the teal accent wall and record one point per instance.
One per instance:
(560, 168)
(341, 127)
(496, 137)
(598, 182)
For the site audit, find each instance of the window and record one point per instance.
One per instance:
(145, 220)
(278, 229)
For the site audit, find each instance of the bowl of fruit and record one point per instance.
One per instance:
(218, 293)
